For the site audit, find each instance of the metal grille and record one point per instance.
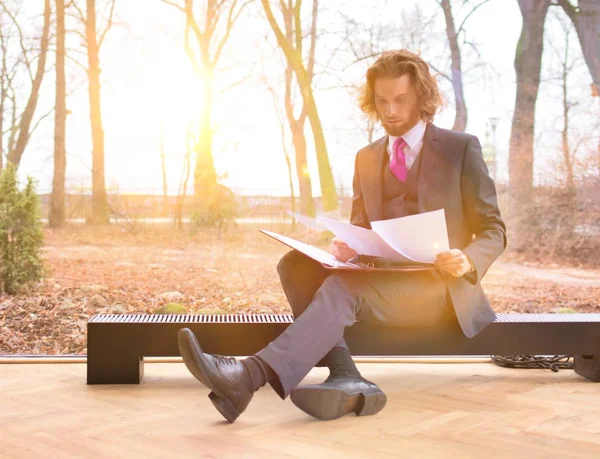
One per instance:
(194, 318)
(288, 318)
(513, 317)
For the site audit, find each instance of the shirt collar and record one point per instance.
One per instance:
(412, 137)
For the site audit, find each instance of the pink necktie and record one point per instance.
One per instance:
(398, 160)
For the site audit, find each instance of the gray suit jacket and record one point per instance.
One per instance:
(454, 177)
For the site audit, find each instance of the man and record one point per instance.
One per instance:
(417, 167)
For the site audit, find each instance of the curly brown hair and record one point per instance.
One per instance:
(394, 64)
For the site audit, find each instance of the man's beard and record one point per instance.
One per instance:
(395, 130)
(401, 128)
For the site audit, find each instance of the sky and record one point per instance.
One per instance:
(148, 88)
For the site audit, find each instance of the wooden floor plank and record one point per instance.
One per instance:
(433, 410)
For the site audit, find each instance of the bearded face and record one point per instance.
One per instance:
(397, 104)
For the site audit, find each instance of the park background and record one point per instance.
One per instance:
(162, 134)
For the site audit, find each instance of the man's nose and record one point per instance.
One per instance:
(391, 109)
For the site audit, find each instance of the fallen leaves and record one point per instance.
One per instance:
(119, 274)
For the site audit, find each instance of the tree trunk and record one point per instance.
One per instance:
(3, 90)
(100, 211)
(460, 120)
(15, 155)
(307, 205)
(586, 19)
(56, 217)
(293, 56)
(328, 191)
(566, 149)
(205, 175)
(210, 48)
(163, 167)
(528, 59)
(182, 190)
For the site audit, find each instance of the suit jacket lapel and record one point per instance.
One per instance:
(429, 152)
(372, 178)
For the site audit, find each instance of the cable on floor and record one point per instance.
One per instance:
(555, 363)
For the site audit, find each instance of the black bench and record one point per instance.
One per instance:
(117, 344)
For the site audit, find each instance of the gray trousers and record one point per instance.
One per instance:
(325, 302)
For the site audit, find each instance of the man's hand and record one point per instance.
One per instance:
(341, 251)
(453, 262)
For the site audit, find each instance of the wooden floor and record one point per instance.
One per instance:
(434, 410)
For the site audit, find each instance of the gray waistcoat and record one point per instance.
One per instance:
(400, 198)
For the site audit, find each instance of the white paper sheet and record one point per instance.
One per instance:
(419, 237)
(363, 240)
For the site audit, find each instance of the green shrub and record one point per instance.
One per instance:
(21, 236)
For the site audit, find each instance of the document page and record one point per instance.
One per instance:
(363, 240)
(419, 237)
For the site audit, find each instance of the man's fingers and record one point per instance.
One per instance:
(339, 242)
(450, 263)
(449, 254)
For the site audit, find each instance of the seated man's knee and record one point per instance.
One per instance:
(339, 284)
(287, 262)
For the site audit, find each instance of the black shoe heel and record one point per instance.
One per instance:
(371, 403)
(224, 406)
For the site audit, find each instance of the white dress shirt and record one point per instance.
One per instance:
(414, 142)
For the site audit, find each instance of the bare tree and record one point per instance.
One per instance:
(586, 19)
(460, 120)
(291, 43)
(456, 71)
(93, 41)
(5, 81)
(100, 211)
(163, 167)
(56, 218)
(183, 182)
(567, 65)
(528, 59)
(22, 131)
(211, 29)
(286, 153)
(296, 125)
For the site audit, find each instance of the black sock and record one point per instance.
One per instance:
(260, 373)
(339, 360)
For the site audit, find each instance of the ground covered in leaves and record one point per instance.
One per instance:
(107, 271)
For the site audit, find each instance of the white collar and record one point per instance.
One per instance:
(412, 137)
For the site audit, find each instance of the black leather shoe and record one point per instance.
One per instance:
(339, 395)
(224, 376)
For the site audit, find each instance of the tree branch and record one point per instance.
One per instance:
(21, 41)
(231, 19)
(108, 24)
(569, 9)
(175, 5)
(475, 8)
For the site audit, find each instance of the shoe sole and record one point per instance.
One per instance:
(191, 352)
(331, 403)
